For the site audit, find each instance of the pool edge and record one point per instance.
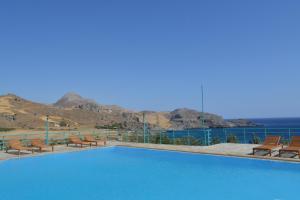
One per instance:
(274, 159)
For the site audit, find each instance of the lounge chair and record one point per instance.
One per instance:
(40, 144)
(77, 141)
(270, 144)
(17, 145)
(294, 147)
(91, 139)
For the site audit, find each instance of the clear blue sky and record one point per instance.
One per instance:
(154, 55)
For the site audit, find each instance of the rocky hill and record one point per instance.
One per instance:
(75, 101)
(74, 111)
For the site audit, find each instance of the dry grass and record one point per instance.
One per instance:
(158, 119)
(5, 105)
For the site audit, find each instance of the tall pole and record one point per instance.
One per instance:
(47, 130)
(207, 135)
(202, 110)
(144, 122)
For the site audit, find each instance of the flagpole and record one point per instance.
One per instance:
(202, 109)
(47, 129)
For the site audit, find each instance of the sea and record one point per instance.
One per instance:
(284, 127)
(278, 122)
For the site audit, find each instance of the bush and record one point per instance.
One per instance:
(255, 140)
(111, 126)
(155, 139)
(195, 141)
(165, 139)
(215, 140)
(63, 123)
(231, 138)
(6, 129)
(180, 141)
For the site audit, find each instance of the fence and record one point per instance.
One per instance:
(54, 137)
(203, 137)
(252, 135)
(189, 137)
(197, 137)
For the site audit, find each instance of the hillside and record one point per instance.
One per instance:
(74, 111)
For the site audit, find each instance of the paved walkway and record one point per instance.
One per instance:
(241, 149)
(225, 149)
(238, 150)
(57, 149)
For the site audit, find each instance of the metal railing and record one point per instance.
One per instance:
(188, 137)
(196, 137)
(205, 137)
(55, 138)
(253, 135)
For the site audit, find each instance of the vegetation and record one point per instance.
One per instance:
(255, 140)
(216, 140)
(165, 139)
(111, 126)
(195, 141)
(6, 129)
(63, 123)
(162, 139)
(285, 141)
(231, 138)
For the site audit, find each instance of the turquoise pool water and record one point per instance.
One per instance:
(139, 174)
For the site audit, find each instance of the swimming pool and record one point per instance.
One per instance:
(140, 174)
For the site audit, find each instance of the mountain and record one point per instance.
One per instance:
(187, 119)
(74, 111)
(75, 101)
(17, 112)
(72, 100)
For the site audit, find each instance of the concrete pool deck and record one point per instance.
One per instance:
(224, 149)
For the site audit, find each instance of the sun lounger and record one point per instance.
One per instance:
(77, 141)
(294, 147)
(91, 139)
(40, 144)
(18, 146)
(270, 144)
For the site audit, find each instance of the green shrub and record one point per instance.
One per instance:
(231, 138)
(255, 139)
(195, 141)
(6, 129)
(155, 139)
(63, 123)
(111, 126)
(166, 140)
(215, 140)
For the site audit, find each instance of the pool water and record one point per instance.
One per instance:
(117, 173)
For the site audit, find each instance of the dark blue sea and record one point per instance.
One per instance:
(284, 127)
(278, 122)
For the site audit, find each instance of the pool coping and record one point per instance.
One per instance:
(48, 153)
(136, 145)
(255, 157)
